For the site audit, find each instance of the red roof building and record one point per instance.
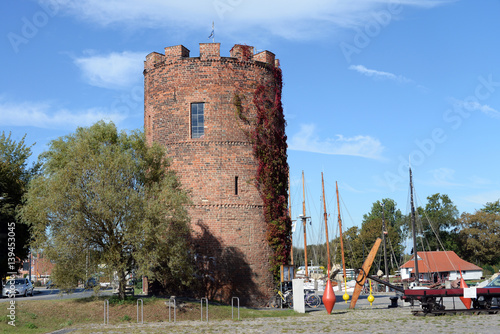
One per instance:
(440, 266)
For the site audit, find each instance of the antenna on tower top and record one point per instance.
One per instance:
(212, 34)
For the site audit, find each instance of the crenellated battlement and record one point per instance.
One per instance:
(209, 52)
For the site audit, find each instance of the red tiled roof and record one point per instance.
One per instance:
(440, 262)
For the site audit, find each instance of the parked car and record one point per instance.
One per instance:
(18, 286)
(91, 283)
(495, 283)
(50, 285)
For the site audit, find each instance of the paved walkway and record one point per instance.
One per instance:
(364, 319)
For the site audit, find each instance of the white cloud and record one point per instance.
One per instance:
(45, 115)
(478, 181)
(378, 74)
(483, 198)
(443, 177)
(363, 146)
(476, 106)
(114, 70)
(287, 18)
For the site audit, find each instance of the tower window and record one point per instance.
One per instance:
(197, 120)
(236, 185)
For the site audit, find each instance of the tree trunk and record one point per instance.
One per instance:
(121, 285)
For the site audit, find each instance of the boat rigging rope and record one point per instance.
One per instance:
(436, 234)
(351, 253)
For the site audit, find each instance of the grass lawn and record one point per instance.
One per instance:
(43, 316)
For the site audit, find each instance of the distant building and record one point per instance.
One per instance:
(41, 267)
(441, 265)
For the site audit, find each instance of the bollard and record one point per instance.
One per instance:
(206, 303)
(142, 311)
(232, 307)
(172, 298)
(106, 312)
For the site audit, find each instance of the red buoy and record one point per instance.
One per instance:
(466, 301)
(329, 297)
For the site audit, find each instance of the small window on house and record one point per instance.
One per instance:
(236, 185)
(197, 120)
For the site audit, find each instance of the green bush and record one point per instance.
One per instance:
(31, 325)
(125, 318)
(138, 284)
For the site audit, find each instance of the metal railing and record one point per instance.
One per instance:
(232, 307)
(106, 312)
(172, 306)
(201, 308)
(142, 311)
(172, 298)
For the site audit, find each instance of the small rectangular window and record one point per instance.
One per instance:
(236, 185)
(197, 120)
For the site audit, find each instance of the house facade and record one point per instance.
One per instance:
(440, 266)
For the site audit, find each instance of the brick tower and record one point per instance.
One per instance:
(189, 107)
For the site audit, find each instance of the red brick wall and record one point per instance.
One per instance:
(227, 227)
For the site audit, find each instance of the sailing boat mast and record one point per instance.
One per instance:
(326, 225)
(384, 233)
(304, 218)
(290, 214)
(414, 230)
(328, 296)
(340, 230)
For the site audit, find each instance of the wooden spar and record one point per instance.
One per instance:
(414, 234)
(360, 281)
(326, 225)
(340, 233)
(384, 234)
(328, 295)
(304, 224)
(290, 214)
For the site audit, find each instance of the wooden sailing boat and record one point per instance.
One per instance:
(431, 300)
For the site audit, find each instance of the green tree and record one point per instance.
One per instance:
(14, 177)
(371, 229)
(480, 237)
(107, 199)
(492, 207)
(439, 224)
(353, 248)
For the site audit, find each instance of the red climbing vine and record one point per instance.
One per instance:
(269, 147)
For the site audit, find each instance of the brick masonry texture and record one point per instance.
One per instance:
(224, 220)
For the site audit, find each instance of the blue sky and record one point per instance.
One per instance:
(368, 85)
